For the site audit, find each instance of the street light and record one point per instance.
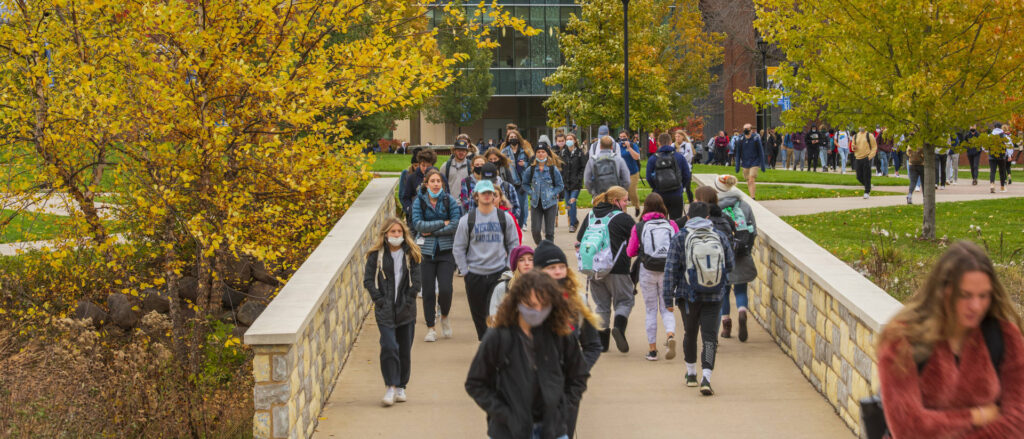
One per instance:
(625, 51)
(762, 46)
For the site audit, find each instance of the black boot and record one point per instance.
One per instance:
(619, 333)
(604, 335)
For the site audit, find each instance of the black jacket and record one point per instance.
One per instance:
(590, 343)
(618, 230)
(501, 378)
(390, 311)
(573, 165)
(413, 181)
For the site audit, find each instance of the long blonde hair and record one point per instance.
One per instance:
(382, 239)
(572, 288)
(614, 193)
(930, 315)
(553, 160)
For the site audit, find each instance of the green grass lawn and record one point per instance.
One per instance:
(883, 243)
(398, 162)
(30, 226)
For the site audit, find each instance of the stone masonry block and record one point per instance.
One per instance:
(266, 395)
(862, 362)
(803, 353)
(261, 425)
(818, 297)
(281, 422)
(281, 367)
(831, 386)
(818, 369)
(822, 350)
(261, 368)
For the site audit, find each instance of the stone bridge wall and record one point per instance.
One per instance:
(302, 339)
(822, 313)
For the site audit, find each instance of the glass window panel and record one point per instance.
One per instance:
(507, 85)
(522, 81)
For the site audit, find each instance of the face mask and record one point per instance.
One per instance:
(513, 142)
(569, 143)
(434, 194)
(395, 242)
(542, 160)
(745, 132)
(533, 317)
(623, 140)
(477, 169)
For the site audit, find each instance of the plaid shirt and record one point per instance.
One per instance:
(675, 284)
(466, 194)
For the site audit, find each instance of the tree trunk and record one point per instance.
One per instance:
(928, 190)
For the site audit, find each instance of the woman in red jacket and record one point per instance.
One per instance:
(937, 376)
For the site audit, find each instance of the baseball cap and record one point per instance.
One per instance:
(484, 186)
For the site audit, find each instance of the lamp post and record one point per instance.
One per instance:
(625, 52)
(762, 46)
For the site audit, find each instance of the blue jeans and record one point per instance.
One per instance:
(883, 162)
(844, 154)
(823, 156)
(570, 208)
(740, 290)
(538, 432)
(524, 207)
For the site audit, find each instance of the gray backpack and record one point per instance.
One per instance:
(606, 173)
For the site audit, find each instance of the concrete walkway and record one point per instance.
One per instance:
(760, 393)
(952, 193)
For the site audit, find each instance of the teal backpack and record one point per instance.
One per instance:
(744, 231)
(595, 255)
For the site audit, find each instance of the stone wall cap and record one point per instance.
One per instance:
(871, 304)
(290, 312)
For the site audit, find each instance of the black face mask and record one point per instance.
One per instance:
(513, 142)
(623, 140)
(745, 132)
(477, 169)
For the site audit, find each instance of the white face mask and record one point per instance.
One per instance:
(395, 242)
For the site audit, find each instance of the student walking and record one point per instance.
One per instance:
(392, 277)
(574, 162)
(799, 150)
(630, 153)
(750, 157)
(864, 149)
(468, 183)
(544, 183)
(668, 174)
(951, 362)
(730, 200)
(425, 160)
(457, 167)
(684, 145)
(605, 169)
(483, 241)
(815, 141)
(520, 261)
(607, 228)
(435, 216)
(997, 161)
(528, 372)
(885, 144)
(843, 144)
(721, 149)
(699, 261)
(520, 152)
(650, 240)
(973, 153)
(915, 170)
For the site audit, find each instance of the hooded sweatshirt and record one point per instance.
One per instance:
(633, 248)
(684, 169)
(618, 233)
(744, 269)
(483, 251)
(675, 283)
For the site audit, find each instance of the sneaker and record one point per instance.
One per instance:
(867, 195)
(974, 182)
(743, 325)
(620, 340)
(389, 397)
(917, 189)
(726, 328)
(400, 395)
(942, 188)
(705, 387)
(910, 201)
(419, 295)
(431, 336)
(446, 327)
(652, 355)
(1003, 189)
(670, 344)
(992, 189)
(459, 273)
(691, 381)
(572, 229)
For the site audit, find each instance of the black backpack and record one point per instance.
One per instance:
(667, 177)
(872, 419)
(606, 174)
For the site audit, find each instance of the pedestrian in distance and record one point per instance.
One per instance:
(605, 169)
(696, 271)
(468, 183)
(485, 237)
(864, 149)
(435, 217)
(504, 204)
(739, 213)
(843, 144)
(574, 162)
(528, 373)
(915, 170)
(392, 278)
(997, 160)
(668, 175)
(684, 145)
(750, 157)
(496, 171)
(815, 144)
(543, 181)
(520, 262)
(458, 165)
(630, 152)
(602, 242)
(799, 149)
(649, 241)
(951, 362)
(520, 153)
(721, 149)
(551, 260)
(973, 153)
(425, 160)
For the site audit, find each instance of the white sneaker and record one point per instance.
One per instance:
(400, 395)
(431, 336)
(917, 189)
(419, 295)
(389, 397)
(867, 195)
(446, 327)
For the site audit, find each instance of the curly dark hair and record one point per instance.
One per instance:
(548, 292)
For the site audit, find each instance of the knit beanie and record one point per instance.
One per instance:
(518, 252)
(547, 253)
(725, 182)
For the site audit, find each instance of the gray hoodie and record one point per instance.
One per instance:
(484, 252)
(745, 270)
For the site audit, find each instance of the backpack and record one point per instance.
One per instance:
(705, 260)
(595, 255)
(667, 177)
(744, 231)
(872, 421)
(655, 238)
(606, 174)
(471, 225)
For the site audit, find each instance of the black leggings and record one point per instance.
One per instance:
(940, 169)
(478, 294)
(1000, 165)
(440, 268)
(703, 316)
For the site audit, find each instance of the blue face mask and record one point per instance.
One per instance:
(542, 160)
(569, 143)
(434, 194)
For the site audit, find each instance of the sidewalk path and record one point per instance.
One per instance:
(950, 194)
(760, 393)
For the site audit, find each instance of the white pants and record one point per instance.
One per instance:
(654, 302)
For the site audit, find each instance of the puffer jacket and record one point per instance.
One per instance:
(427, 219)
(573, 164)
(392, 310)
(544, 186)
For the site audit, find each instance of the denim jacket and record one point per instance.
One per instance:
(544, 186)
(518, 171)
(427, 219)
